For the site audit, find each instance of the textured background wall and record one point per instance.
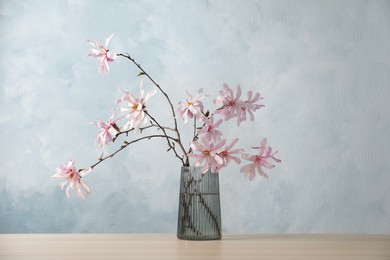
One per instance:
(322, 66)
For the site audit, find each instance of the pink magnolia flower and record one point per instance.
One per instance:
(250, 105)
(230, 104)
(107, 131)
(192, 106)
(209, 130)
(227, 154)
(69, 175)
(102, 53)
(208, 153)
(135, 108)
(258, 161)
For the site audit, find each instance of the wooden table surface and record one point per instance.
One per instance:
(167, 246)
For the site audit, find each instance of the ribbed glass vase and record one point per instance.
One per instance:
(199, 205)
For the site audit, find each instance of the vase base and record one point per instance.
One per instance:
(199, 238)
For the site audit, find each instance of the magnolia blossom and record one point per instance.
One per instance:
(135, 109)
(209, 130)
(227, 154)
(208, 152)
(232, 106)
(69, 175)
(107, 131)
(250, 105)
(192, 106)
(102, 53)
(258, 161)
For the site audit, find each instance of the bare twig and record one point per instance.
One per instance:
(126, 143)
(130, 130)
(170, 145)
(143, 72)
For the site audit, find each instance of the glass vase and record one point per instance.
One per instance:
(199, 215)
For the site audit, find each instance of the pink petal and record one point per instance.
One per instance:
(262, 145)
(85, 171)
(67, 191)
(249, 171)
(235, 140)
(266, 164)
(93, 52)
(111, 56)
(108, 40)
(205, 169)
(261, 172)
(218, 159)
(238, 94)
(267, 151)
(249, 157)
(235, 158)
(150, 94)
(85, 187)
(63, 184)
(93, 43)
(276, 159)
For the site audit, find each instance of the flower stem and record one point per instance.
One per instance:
(130, 130)
(170, 145)
(101, 159)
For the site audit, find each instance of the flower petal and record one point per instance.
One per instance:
(108, 39)
(261, 172)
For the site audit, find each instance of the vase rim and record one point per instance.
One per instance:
(192, 166)
(198, 168)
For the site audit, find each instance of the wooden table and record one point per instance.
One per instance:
(167, 246)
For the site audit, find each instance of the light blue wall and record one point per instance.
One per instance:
(322, 66)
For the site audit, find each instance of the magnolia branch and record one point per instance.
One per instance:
(170, 145)
(130, 130)
(143, 72)
(126, 143)
(141, 129)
